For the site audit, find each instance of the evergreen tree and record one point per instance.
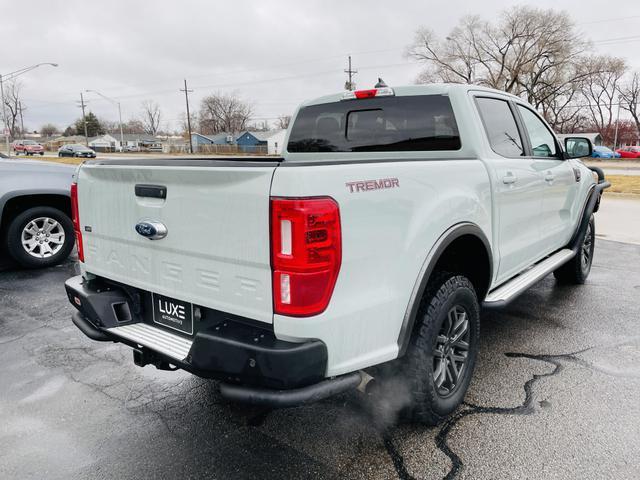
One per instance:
(94, 127)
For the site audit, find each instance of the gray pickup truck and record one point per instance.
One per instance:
(35, 212)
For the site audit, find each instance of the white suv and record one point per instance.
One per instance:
(392, 218)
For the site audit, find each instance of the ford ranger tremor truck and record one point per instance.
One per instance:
(366, 250)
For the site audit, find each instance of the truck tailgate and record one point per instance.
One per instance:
(216, 251)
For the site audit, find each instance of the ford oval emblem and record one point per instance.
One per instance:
(151, 230)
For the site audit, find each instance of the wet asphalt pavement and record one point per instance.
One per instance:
(556, 394)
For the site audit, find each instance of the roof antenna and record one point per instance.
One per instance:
(380, 84)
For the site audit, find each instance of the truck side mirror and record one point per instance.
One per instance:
(576, 147)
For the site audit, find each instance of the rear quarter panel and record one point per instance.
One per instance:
(386, 236)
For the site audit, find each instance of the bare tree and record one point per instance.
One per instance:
(185, 125)
(224, 113)
(283, 121)
(454, 60)
(630, 98)
(14, 106)
(531, 52)
(151, 116)
(134, 126)
(110, 126)
(48, 130)
(601, 88)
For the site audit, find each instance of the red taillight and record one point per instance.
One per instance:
(75, 217)
(306, 253)
(366, 93)
(373, 92)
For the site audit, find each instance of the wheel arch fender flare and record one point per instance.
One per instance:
(435, 253)
(60, 198)
(590, 206)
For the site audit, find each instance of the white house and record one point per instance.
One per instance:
(275, 142)
(104, 143)
(132, 141)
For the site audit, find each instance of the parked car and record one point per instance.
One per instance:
(76, 150)
(132, 148)
(27, 147)
(629, 152)
(600, 151)
(407, 210)
(35, 212)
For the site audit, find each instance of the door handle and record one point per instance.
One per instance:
(549, 177)
(509, 178)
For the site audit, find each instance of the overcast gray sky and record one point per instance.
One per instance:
(274, 54)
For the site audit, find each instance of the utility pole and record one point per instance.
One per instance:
(4, 117)
(84, 120)
(186, 97)
(349, 84)
(615, 138)
(21, 118)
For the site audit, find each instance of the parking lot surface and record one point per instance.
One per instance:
(555, 395)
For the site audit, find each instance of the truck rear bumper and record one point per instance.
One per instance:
(254, 365)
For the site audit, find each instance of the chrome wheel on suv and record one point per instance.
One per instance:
(40, 237)
(43, 237)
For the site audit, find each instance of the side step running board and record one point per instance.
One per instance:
(506, 292)
(151, 337)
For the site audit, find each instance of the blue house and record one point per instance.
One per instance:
(217, 139)
(254, 142)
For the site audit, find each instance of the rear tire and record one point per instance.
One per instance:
(577, 269)
(420, 387)
(441, 358)
(24, 231)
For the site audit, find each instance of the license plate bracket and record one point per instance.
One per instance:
(172, 313)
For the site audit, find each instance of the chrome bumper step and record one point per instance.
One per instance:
(514, 287)
(154, 338)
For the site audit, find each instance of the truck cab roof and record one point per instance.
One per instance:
(413, 90)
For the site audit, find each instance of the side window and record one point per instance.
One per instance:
(500, 126)
(542, 142)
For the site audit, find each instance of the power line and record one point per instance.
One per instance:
(609, 20)
(603, 42)
(619, 39)
(258, 82)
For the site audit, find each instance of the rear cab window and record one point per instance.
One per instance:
(383, 124)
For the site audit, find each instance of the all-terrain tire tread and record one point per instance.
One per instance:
(439, 289)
